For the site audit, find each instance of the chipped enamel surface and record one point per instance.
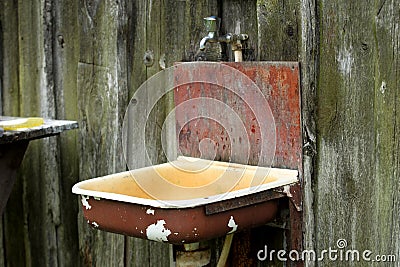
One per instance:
(232, 224)
(150, 211)
(85, 203)
(286, 190)
(158, 232)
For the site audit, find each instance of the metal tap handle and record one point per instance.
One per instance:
(212, 23)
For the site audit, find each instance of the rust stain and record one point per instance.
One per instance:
(116, 217)
(278, 83)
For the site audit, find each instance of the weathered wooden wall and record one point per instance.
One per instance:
(83, 60)
(357, 172)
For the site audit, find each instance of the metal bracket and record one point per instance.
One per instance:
(239, 202)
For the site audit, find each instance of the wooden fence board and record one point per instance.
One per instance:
(309, 47)
(356, 118)
(65, 63)
(33, 86)
(10, 106)
(386, 105)
(137, 250)
(278, 29)
(10, 73)
(99, 113)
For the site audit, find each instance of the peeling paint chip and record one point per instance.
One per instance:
(85, 203)
(232, 225)
(150, 211)
(157, 231)
(286, 190)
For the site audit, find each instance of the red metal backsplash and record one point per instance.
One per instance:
(278, 82)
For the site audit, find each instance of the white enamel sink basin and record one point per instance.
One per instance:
(184, 201)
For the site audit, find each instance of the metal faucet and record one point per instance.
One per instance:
(212, 25)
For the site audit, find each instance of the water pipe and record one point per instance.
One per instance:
(212, 25)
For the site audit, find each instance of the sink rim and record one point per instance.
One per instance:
(287, 177)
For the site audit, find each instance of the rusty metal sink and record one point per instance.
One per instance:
(184, 201)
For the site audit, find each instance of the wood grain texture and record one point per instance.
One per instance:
(357, 164)
(10, 106)
(102, 95)
(278, 30)
(309, 58)
(65, 43)
(10, 58)
(146, 54)
(31, 76)
(99, 109)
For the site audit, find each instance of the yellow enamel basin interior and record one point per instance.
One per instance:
(185, 180)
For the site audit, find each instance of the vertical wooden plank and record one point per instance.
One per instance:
(136, 250)
(10, 104)
(386, 104)
(155, 47)
(278, 29)
(396, 172)
(356, 177)
(22, 221)
(49, 172)
(9, 90)
(65, 63)
(40, 174)
(99, 110)
(159, 252)
(308, 53)
(96, 104)
(126, 51)
(10, 60)
(345, 124)
(241, 17)
(148, 52)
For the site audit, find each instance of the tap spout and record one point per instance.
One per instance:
(210, 38)
(203, 43)
(235, 40)
(213, 37)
